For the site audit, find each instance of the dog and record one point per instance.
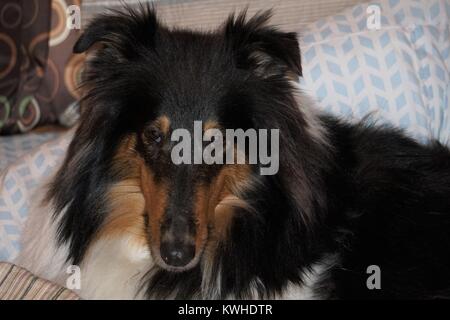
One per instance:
(354, 211)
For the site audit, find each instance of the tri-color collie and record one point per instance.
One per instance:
(355, 210)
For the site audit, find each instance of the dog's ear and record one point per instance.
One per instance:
(263, 48)
(120, 30)
(95, 33)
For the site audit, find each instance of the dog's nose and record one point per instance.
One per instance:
(177, 255)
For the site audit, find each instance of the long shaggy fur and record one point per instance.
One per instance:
(346, 196)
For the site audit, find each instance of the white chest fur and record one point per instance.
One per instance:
(113, 269)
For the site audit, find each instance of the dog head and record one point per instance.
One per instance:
(144, 85)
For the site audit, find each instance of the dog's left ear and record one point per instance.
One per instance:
(262, 48)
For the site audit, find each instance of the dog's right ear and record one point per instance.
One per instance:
(120, 30)
(95, 33)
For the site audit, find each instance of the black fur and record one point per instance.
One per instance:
(366, 195)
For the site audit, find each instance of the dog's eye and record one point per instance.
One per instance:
(157, 138)
(153, 136)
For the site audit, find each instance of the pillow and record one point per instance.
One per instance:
(397, 72)
(38, 72)
(18, 284)
(16, 146)
(18, 182)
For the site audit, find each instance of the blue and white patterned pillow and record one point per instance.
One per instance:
(399, 72)
(19, 180)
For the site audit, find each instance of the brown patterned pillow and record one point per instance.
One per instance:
(38, 73)
(19, 284)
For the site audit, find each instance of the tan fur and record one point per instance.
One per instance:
(201, 217)
(224, 197)
(163, 123)
(210, 124)
(156, 199)
(126, 202)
